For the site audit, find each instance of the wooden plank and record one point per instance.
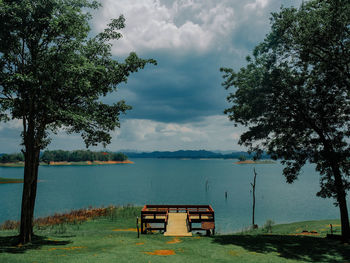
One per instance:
(177, 225)
(208, 225)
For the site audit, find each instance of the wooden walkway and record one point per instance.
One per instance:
(177, 225)
(165, 218)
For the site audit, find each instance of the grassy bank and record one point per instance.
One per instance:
(113, 238)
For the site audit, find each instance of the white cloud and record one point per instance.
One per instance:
(235, 136)
(185, 25)
(212, 133)
(257, 4)
(12, 124)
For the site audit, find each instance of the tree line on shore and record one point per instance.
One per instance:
(69, 156)
(196, 154)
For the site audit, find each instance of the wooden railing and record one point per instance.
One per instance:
(189, 222)
(166, 221)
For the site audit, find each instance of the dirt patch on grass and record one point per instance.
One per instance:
(307, 233)
(233, 253)
(162, 252)
(65, 248)
(174, 241)
(125, 230)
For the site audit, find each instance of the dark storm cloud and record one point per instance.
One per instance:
(186, 84)
(177, 90)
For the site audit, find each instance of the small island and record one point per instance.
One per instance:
(60, 157)
(10, 180)
(256, 162)
(243, 160)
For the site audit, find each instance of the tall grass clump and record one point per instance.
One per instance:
(123, 212)
(76, 217)
(268, 226)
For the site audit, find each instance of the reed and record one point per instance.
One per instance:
(73, 217)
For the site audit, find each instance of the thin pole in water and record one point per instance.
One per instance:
(253, 186)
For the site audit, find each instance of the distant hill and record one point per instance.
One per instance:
(191, 154)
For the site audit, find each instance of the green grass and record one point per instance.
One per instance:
(95, 241)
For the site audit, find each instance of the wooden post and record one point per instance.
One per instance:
(141, 226)
(253, 186)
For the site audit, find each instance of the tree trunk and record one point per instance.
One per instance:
(31, 157)
(341, 199)
(339, 187)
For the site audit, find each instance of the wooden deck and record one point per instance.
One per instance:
(161, 217)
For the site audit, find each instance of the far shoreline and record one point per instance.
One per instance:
(66, 163)
(256, 162)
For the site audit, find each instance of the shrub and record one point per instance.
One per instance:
(268, 226)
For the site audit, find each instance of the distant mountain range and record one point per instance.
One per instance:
(191, 154)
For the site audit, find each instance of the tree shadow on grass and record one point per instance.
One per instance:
(311, 249)
(8, 244)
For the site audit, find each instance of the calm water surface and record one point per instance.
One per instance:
(168, 181)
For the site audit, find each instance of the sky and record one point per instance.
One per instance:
(179, 103)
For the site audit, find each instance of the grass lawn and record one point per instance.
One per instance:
(113, 239)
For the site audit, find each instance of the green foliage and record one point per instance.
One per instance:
(11, 158)
(242, 158)
(293, 95)
(268, 226)
(53, 73)
(81, 155)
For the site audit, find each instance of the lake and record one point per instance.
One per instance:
(173, 181)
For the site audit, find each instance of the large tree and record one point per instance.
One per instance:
(294, 95)
(53, 74)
